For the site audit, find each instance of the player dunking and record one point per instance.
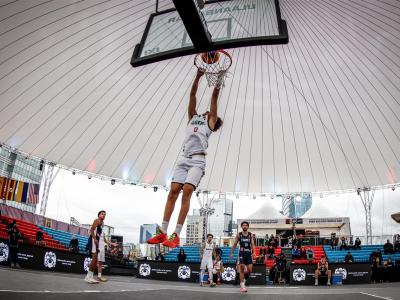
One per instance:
(246, 253)
(190, 168)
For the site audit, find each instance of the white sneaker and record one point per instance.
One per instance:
(329, 283)
(316, 283)
(90, 280)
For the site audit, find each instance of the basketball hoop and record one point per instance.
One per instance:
(214, 64)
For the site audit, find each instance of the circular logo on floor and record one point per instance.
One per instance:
(3, 252)
(144, 270)
(86, 263)
(50, 260)
(184, 272)
(299, 274)
(341, 271)
(229, 274)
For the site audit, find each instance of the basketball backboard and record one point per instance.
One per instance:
(219, 25)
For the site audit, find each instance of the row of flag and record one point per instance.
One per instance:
(19, 191)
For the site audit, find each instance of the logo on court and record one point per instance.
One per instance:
(184, 272)
(50, 260)
(86, 263)
(144, 270)
(229, 274)
(341, 271)
(3, 252)
(299, 275)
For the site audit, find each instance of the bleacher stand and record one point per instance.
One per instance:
(64, 238)
(28, 231)
(362, 255)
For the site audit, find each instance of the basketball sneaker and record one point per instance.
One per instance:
(243, 289)
(91, 280)
(173, 241)
(102, 279)
(158, 238)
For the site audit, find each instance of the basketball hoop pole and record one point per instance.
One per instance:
(156, 6)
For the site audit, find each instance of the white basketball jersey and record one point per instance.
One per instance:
(196, 136)
(208, 251)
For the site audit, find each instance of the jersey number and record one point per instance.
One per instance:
(195, 129)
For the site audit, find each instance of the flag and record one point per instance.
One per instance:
(3, 191)
(33, 193)
(10, 189)
(24, 197)
(18, 191)
(3, 184)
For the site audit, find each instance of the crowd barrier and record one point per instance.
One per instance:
(172, 271)
(354, 273)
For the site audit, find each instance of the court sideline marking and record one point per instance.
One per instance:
(376, 296)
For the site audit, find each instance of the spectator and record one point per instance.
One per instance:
(310, 254)
(295, 253)
(379, 253)
(266, 240)
(294, 242)
(303, 253)
(74, 244)
(376, 268)
(281, 268)
(357, 244)
(334, 243)
(40, 239)
(323, 270)
(13, 244)
(181, 256)
(271, 251)
(218, 268)
(396, 246)
(387, 266)
(348, 258)
(388, 248)
(261, 256)
(218, 251)
(160, 256)
(11, 225)
(343, 244)
(272, 241)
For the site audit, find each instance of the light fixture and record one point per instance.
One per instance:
(359, 191)
(393, 188)
(112, 181)
(254, 197)
(272, 196)
(90, 177)
(155, 189)
(73, 173)
(197, 194)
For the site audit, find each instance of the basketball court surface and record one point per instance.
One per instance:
(27, 284)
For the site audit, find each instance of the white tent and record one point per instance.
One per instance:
(319, 114)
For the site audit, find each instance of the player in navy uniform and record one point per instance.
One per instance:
(246, 253)
(190, 168)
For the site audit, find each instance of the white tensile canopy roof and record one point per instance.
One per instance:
(321, 113)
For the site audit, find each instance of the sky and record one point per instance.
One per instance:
(129, 206)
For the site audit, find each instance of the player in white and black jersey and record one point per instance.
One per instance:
(207, 254)
(190, 168)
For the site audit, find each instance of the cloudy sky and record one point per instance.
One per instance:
(130, 206)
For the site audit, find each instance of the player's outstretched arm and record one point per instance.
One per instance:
(213, 108)
(193, 92)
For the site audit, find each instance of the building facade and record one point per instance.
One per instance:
(194, 228)
(20, 168)
(296, 205)
(146, 232)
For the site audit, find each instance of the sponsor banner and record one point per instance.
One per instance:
(42, 258)
(172, 271)
(303, 274)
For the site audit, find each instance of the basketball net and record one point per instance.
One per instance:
(216, 71)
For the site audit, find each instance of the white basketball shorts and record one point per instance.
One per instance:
(190, 170)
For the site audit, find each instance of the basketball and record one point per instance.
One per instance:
(210, 57)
